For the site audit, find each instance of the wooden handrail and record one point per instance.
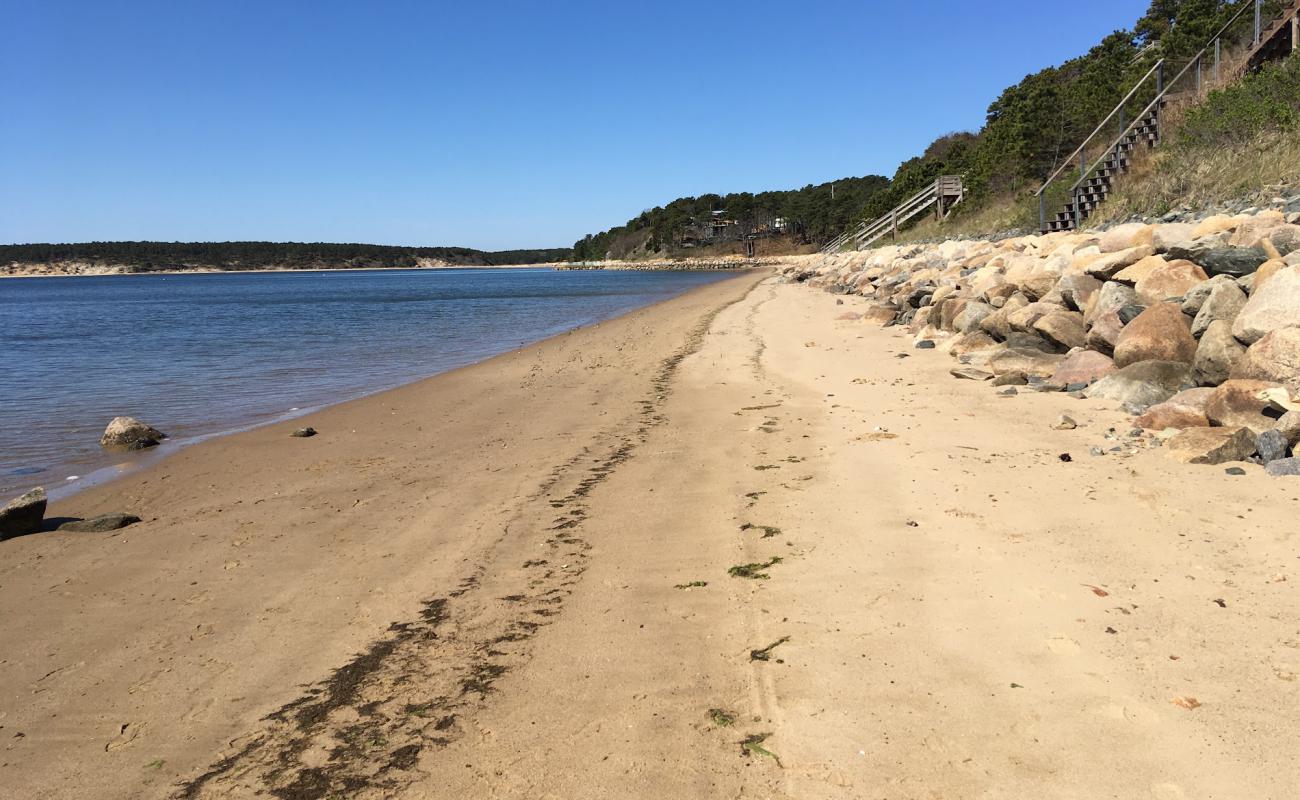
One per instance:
(1069, 160)
(1106, 153)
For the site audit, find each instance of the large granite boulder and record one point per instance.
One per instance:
(1123, 237)
(1162, 416)
(1174, 234)
(880, 313)
(1221, 260)
(1160, 333)
(128, 433)
(1276, 357)
(1082, 366)
(1239, 404)
(1130, 275)
(1224, 302)
(1143, 384)
(1218, 354)
(23, 514)
(967, 343)
(1029, 361)
(1105, 267)
(971, 316)
(1065, 329)
(1076, 289)
(1169, 282)
(1289, 426)
(1198, 294)
(1212, 445)
(1276, 304)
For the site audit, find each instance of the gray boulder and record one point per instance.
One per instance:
(1217, 354)
(23, 514)
(1198, 294)
(1274, 305)
(1283, 467)
(1220, 260)
(1271, 445)
(1224, 302)
(1143, 384)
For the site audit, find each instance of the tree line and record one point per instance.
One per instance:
(154, 256)
(1028, 130)
(814, 211)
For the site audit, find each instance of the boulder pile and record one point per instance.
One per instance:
(1193, 327)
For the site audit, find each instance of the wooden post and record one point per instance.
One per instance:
(893, 219)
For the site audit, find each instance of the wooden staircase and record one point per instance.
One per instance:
(1278, 39)
(945, 193)
(1092, 192)
(1097, 180)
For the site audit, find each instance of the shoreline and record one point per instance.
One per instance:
(277, 270)
(706, 266)
(60, 488)
(285, 556)
(616, 562)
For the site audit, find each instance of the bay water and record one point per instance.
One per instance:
(202, 354)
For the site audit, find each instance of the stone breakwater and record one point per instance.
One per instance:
(1193, 327)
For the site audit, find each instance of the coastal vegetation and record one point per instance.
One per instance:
(1028, 130)
(1242, 137)
(811, 214)
(169, 256)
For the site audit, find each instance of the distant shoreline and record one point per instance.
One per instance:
(119, 271)
(661, 265)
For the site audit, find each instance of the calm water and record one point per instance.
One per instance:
(195, 355)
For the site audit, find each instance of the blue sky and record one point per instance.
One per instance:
(484, 124)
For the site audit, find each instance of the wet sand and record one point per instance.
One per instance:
(481, 585)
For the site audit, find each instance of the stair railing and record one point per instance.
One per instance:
(1079, 156)
(1162, 90)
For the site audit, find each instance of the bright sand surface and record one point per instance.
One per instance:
(466, 588)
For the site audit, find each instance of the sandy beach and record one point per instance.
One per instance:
(515, 580)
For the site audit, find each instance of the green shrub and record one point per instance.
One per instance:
(1266, 100)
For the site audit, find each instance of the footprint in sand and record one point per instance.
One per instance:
(1167, 791)
(1132, 714)
(1063, 645)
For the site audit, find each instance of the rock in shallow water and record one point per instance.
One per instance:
(23, 514)
(128, 433)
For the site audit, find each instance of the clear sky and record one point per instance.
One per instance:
(480, 123)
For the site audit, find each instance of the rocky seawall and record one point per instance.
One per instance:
(1193, 326)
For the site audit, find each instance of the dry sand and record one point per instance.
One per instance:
(467, 588)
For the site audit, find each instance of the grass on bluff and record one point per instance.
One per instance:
(1240, 140)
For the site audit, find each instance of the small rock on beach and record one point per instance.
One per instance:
(23, 514)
